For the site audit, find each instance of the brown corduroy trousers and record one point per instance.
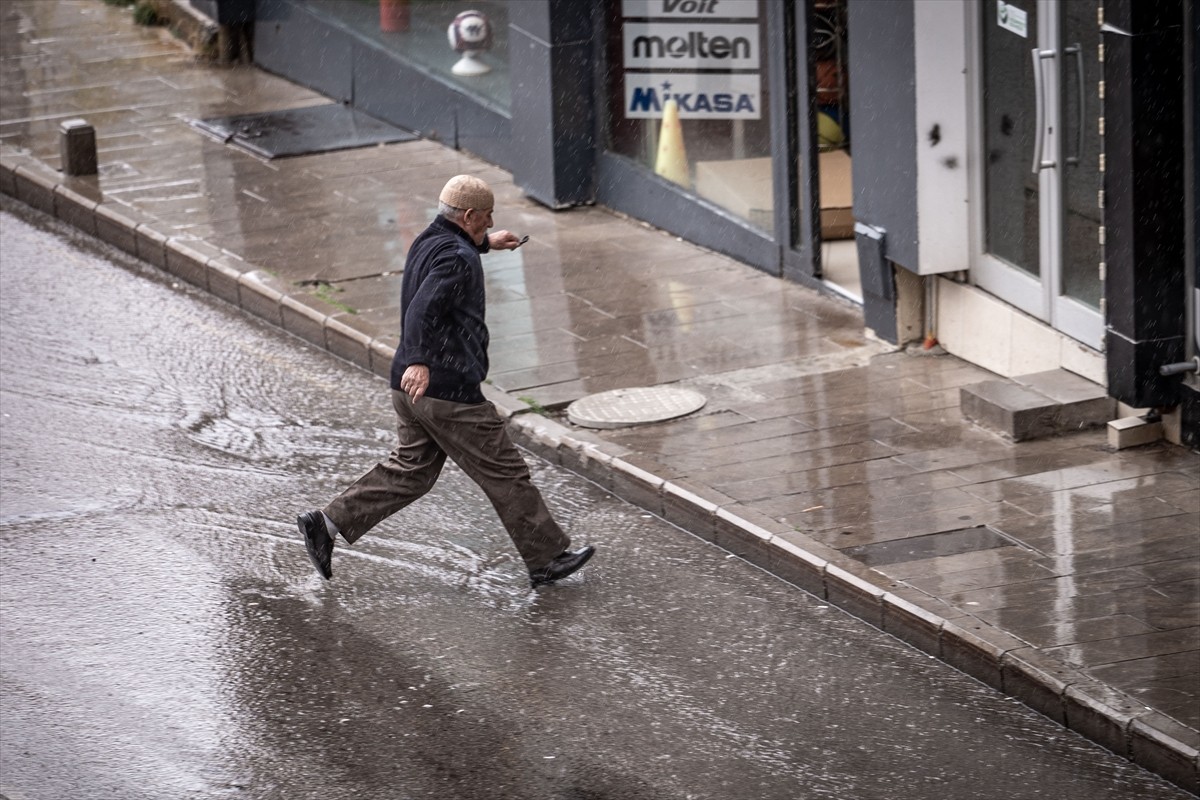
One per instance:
(474, 436)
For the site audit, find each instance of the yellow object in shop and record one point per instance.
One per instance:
(672, 157)
(829, 133)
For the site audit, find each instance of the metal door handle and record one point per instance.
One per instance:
(1077, 51)
(1039, 140)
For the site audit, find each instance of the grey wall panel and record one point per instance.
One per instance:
(486, 133)
(530, 58)
(883, 107)
(395, 92)
(574, 122)
(627, 187)
(553, 129)
(388, 90)
(290, 41)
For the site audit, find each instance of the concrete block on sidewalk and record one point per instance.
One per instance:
(1016, 411)
(1037, 405)
(77, 147)
(1133, 432)
(1063, 387)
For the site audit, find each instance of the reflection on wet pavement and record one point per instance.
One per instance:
(811, 428)
(164, 635)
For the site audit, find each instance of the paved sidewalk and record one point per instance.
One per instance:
(835, 462)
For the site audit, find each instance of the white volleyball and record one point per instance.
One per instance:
(470, 32)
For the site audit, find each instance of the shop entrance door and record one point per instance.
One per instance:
(818, 224)
(1040, 166)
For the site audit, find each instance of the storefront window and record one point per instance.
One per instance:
(688, 91)
(418, 31)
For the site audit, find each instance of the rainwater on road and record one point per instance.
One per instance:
(164, 636)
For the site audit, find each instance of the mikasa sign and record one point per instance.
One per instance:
(703, 54)
(699, 95)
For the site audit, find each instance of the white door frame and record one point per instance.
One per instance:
(1039, 297)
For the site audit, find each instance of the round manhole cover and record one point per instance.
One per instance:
(636, 406)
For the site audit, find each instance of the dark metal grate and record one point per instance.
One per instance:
(302, 131)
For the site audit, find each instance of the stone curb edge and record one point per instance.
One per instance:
(1006, 663)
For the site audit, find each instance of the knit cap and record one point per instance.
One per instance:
(467, 191)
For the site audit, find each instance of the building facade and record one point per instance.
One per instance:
(1016, 180)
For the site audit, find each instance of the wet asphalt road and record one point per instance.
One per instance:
(163, 635)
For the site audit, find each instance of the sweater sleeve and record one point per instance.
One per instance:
(424, 319)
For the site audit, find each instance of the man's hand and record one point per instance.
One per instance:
(504, 240)
(415, 381)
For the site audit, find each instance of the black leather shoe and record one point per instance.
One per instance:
(562, 566)
(317, 541)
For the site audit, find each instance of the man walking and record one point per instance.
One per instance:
(436, 375)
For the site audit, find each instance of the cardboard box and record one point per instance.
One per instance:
(744, 187)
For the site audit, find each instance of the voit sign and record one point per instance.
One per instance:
(690, 9)
(704, 54)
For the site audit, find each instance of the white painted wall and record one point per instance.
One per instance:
(940, 33)
(978, 327)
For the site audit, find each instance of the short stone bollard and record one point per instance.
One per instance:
(77, 147)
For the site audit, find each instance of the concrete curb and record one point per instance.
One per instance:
(1095, 711)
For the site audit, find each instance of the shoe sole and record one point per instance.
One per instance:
(309, 550)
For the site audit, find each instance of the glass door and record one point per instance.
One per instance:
(1040, 170)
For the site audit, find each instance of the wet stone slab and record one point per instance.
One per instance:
(946, 543)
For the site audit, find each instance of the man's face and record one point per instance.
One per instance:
(476, 223)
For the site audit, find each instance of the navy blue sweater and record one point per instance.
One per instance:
(442, 307)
